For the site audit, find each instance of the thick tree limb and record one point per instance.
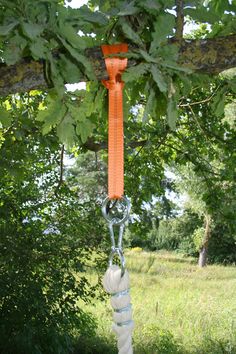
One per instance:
(209, 56)
(24, 76)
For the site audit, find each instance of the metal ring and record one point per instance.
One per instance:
(119, 252)
(115, 220)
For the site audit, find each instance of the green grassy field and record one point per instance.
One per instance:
(177, 308)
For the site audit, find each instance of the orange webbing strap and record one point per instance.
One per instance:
(115, 66)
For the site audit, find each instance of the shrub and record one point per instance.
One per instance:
(157, 340)
(94, 345)
(222, 245)
(42, 277)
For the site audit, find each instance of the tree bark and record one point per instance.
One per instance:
(202, 260)
(209, 56)
(179, 19)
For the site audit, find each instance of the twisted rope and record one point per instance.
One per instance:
(123, 325)
(118, 287)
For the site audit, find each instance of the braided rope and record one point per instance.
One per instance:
(123, 325)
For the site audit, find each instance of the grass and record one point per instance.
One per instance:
(177, 307)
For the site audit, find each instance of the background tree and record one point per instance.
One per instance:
(88, 177)
(195, 189)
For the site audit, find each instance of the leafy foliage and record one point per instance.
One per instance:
(173, 117)
(200, 152)
(45, 246)
(59, 35)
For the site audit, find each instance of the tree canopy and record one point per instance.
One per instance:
(45, 45)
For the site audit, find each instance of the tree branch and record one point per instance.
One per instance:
(157, 146)
(60, 181)
(61, 166)
(179, 20)
(97, 146)
(199, 102)
(209, 56)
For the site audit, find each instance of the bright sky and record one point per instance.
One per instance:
(81, 85)
(77, 3)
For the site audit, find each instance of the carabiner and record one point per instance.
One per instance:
(112, 236)
(120, 254)
(113, 222)
(117, 249)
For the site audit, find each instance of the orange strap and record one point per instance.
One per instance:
(115, 66)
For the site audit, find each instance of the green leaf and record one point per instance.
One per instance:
(169, 53)
(46, 128)
(136, 72)
(69, 33)
(32, 30)
(38, 48)
(172, 113)
(159, 78)
(126, 106)
(187, 84)
(6, 29)
(161, 105)
(148, 57)
(150, 5)
(221, 6)
(99, 99)
(84, 108)
(130, 33)
(69, 70)
(232, 84)
(128, 9)
(167, 4)
(149, 105)
(92, 16)
(52, 115)
(66, 130)
(177, 67)
(5, 117)
(56, 75)
(218, 104)
(13, 51)
(16, 172)
(163, 27)
(84, 129)
(201, 14)
(227, 27)
(81, 59)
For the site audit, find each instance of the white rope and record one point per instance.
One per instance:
(123, 325)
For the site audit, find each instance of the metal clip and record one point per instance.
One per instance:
(115, 221)
(117, 249)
